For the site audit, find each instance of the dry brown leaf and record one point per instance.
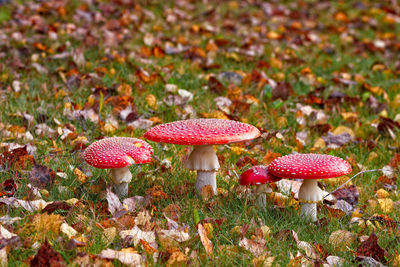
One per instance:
(371, 248)
(207, 192)
(257, 247)
(47, 256)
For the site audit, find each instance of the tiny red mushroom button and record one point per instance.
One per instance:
(257, 175)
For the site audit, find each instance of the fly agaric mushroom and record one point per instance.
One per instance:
(258, 177)
(309, 167)
(117, 154)
(202, 134)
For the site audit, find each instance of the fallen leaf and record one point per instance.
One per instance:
(68, 230)
(204, 239)
(109, 234)
(257, 247)
(57, 205)
(263, 261)
(47, 256)
(207, 192)
(349, 194)
(341, 239)
(281, 91)
(176, 235)
(216, 86)
(369, 261)
(33, 205)
(127, 256)
(135, 235)
(114, 204)
(386, 204)
(80, 175)
(336, 140)
(177, 258)
(335, 261)
(143, 218)
(371, 248)
(173, 211)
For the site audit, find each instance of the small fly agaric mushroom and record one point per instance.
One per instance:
(258, 177)
(309, 167)
(203, 134)
(117, 154)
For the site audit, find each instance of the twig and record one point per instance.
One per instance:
(349, 181)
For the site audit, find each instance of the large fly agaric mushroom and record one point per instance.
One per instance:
(117, 154)
(202, 134)
(309, 167)
(258, 177)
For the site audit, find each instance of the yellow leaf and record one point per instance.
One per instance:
(209, 228)
(233, 56)
(383, 113)
(276, 63)
(177, 258)
(266, 231)
(386, 204)
(319, 144)
(382, 193)
(396, 260)
(343, 129)
(263, 261)
(235, 231)
(349, 116)
(124, 89)
(109, 234)
(151, 100)
(238, 150)
(80, 175)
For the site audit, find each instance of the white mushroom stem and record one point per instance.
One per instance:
(121, 178)
(204, 160)
(310, 191)
(206, 178)
(260, 193)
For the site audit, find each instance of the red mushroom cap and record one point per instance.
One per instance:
(117, 152)
(309, 166)
(257, 175)
(202, 132)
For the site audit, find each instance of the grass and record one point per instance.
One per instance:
(48, 94)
